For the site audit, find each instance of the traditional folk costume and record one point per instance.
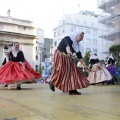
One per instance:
(111, 68)
(98, 73)
(66, 75)
(14, 73)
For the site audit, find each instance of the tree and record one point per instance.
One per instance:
(40, 69)
(86, 58)
(115, 50)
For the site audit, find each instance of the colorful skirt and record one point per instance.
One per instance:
(13, 72)
(66, 75)
(98, 74)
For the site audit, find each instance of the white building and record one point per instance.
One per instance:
(39, 47)
(18, 30)
(40, 35)
(85, 21)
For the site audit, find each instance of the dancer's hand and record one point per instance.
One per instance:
(69, 54)
(86, 67)
(23, 65)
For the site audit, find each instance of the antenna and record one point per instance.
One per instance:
(78, 7)
(63, 11)
(9, 13)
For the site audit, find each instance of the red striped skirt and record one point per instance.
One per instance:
(66, 75)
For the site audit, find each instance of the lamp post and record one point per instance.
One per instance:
(5, 48)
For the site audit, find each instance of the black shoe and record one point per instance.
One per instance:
(6, 85)
(71, 92)
(93, 84)
(52, 86)
(74, 92)
(18, 88)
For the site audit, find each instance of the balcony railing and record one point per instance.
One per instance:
(100, 2)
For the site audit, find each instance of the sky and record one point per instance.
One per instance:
(45, 13)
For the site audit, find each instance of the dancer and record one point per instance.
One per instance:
(66, 75)
(17, 70)
(111, 67)
(6, 60)
(98, 73)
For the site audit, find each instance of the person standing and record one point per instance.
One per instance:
(66, 75)
(17, 70)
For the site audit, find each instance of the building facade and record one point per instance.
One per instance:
(85, 21)
(39, 48)
(43, 54)
(18, 30)
(110, 9)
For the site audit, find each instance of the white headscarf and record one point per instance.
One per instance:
(111, 56)
(94, 57)
(76, 46)
(15, 54)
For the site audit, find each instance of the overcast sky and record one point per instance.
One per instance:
(45, 13)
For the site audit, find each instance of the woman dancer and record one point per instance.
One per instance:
(66, 75)
(17, 70)
(98, 73)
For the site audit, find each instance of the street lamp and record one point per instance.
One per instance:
(5, 48)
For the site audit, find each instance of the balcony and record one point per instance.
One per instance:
(109, 19)
(112, 36)
(117, 9)
(107, 5)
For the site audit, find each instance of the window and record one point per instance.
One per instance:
(55, 43)
(84, 22)
(36, 68)
(36, 57)
(54, 34)
(59, 40)
(73, 29)
(59, 32)
(87, 40)
(81, 29)
(63, 30)
(88, 49)
(94, 41)
(36, 48)
(92, 24)
(87, 31)
(94, 51)
(77, 21)
(94, 32)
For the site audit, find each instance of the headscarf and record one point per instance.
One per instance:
(111, 56)
(13, 47)
(76, 46)
(15, 54)
(94, 57)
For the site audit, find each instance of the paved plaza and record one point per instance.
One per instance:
(37, 102)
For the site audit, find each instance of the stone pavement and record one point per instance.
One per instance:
(37, 102)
